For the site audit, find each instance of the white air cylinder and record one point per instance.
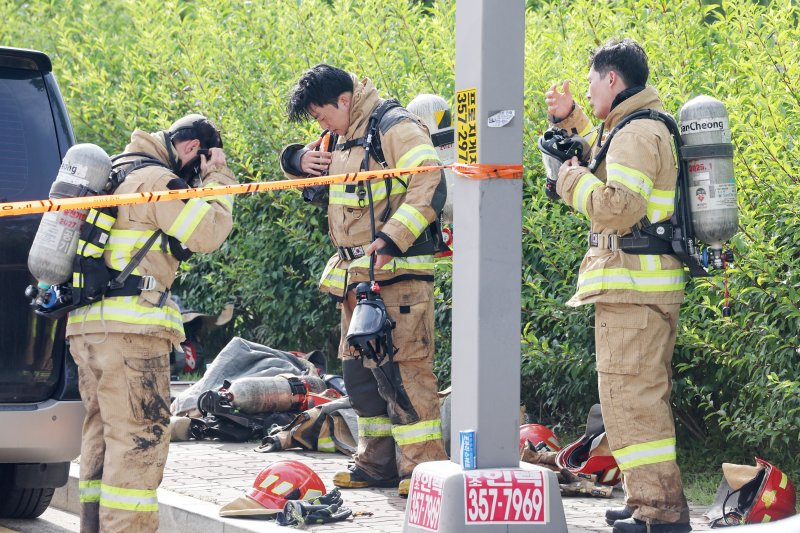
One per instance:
(435, 113)
(706, 137)
(84, 171)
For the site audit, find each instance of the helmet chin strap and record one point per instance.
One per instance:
(173, 161)
(187, 172)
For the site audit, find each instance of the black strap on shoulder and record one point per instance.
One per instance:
(373, 134)
(372, 146)
(651, 114)
(379, 113)
(121, 169)
(118, 176)
(119, 281)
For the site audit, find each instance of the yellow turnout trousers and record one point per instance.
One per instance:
(394, 436)
(124, 383)
(634, 370)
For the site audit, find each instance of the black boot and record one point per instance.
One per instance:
(632, 525)
(618, 513)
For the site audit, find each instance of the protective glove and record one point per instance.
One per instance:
(325, 509)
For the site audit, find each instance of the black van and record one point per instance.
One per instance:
(41, 414)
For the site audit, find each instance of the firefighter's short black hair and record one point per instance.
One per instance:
(320, 85)
(625, 57)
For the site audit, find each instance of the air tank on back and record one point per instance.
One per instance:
(706, 136)
(84, 171)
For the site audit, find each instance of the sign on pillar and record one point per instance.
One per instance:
(485, 487)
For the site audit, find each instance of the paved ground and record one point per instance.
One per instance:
(200, 477)
(51, 521)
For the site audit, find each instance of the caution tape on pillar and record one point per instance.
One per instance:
(473, 171)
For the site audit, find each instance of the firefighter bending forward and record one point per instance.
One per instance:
(122, 343)
(394, 435)
(637, 297)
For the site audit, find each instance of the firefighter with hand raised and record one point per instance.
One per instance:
(637, 297)
(122, 342)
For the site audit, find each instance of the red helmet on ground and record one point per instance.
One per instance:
(753, 494)
(285, 480)
(590, 456)
(540, 436)
(274, 485)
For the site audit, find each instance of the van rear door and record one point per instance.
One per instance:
(34, 135)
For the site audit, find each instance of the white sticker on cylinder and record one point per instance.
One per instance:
(704, 124)
(70, 172)
(713, 197)
(724, 196)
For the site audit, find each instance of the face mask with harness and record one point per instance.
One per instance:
(370, 331)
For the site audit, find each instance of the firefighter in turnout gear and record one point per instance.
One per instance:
(637, 297)
(122, 343)
(395, 398)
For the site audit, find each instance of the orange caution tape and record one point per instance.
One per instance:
(86, 202)
(482, 172)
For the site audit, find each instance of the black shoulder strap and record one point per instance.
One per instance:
(121, 169)
(371, 141)
(119, 281)
(118, 175)
(381, 128)
(651, 114)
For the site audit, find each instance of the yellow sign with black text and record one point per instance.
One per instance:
(467, 126)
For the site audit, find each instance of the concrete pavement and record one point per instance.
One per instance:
(200, 477)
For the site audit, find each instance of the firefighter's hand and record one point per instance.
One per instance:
(559, 104)
(215, 157)
(314, 162)
(381, 258)
(566, 165)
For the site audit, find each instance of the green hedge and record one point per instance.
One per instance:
(124, 64)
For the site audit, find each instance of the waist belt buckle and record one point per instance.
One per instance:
(147, 283)
(350, 253)
(605, 242)
(357, 251)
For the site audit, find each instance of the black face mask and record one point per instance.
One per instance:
(190, 172)
(370, 331)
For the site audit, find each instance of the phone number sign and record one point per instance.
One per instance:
(505, 496)
(425, 501)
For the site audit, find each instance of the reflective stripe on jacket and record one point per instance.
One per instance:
(413, 201)
(200, 224)
(636, 179)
